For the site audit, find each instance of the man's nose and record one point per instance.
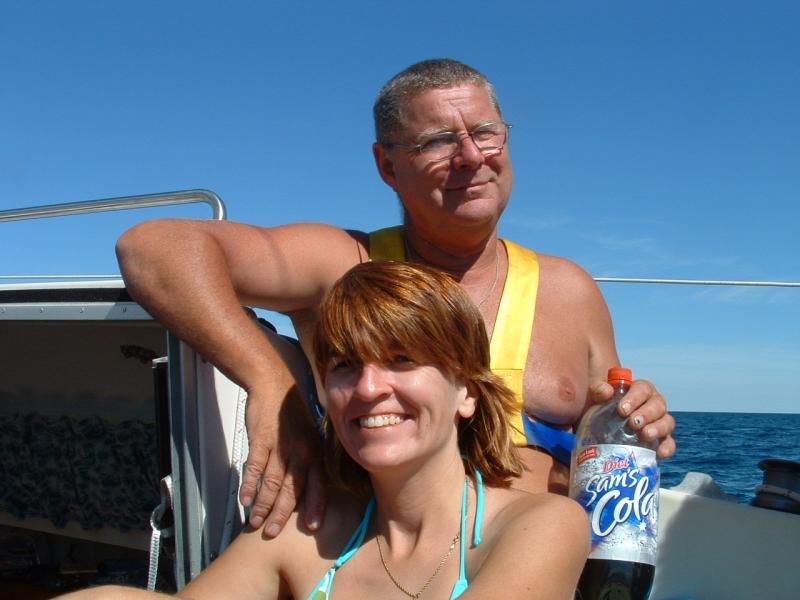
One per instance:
(373, 382)
(468, 155)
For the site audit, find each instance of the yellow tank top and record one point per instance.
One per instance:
(513, 327)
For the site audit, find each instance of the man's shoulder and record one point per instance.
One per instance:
(563, 269)
(566, 283)
(322, 241)
(312, 228)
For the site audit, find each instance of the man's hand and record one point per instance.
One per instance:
(284, 461)
(646, 410)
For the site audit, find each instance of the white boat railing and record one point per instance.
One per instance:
(597, 279)
(198, 196)
(121, 203)
(220, 214)
(696, 281)
(61, 277)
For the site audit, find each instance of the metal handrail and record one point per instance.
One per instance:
(597, 279)
(61, 277)
(697, 281)
(123, 203)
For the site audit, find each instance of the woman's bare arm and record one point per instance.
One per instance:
(539, 553)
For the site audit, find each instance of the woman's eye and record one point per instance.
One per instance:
(402, 359)
(337, 364)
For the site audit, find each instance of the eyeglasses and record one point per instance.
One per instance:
(489, 139)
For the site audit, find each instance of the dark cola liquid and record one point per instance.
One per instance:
(615, 580)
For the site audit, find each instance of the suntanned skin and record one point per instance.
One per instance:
(532, 545)
(540, 555)
(193, 276)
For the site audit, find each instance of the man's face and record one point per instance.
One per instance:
(467, 192)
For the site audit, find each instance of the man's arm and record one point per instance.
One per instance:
(194, 276)
(643, 404)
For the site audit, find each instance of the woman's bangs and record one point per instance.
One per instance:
(359, 331)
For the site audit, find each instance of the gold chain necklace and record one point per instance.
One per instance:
(411, 255)
(412, 595)
(496, 276)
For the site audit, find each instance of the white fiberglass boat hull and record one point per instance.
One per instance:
(715, 549)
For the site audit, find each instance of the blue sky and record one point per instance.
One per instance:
(651, 139)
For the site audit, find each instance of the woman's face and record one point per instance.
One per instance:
(395, 413)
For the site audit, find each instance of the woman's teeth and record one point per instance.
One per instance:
(380, 421)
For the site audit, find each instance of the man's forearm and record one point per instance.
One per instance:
(178, 273)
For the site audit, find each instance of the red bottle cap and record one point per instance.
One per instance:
(619, 375)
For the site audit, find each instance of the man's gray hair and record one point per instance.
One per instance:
(426, 75)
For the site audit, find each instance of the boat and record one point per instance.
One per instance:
(123, 451)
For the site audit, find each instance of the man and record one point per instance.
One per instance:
(442, 147)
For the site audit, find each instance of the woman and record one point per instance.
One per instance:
(419, 445)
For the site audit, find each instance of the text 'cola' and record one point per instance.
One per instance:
(614, 476)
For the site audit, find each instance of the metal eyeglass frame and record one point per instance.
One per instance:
(461, 136)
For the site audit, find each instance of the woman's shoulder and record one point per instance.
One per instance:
(314, 552)
(254, 566)
(548, 513)
(515, 505)
(534, 545)
(343, 513)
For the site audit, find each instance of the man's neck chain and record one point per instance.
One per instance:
(413, 256)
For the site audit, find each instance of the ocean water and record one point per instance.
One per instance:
(729, 446)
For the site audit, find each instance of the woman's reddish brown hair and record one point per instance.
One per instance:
(379, 308)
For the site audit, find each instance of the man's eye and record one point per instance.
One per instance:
(486, 135)
(440, 141)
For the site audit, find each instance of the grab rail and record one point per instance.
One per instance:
(122, 203)
(597, 279)
(697, 281)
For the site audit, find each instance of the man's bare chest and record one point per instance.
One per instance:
(555, 381)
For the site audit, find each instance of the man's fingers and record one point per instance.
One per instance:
(649, 413)
(251, 475)
(667, 448)
(646, 410)
(271, 482)
(642, 394)
(661, 430)
(658, 429)
(286, 499)
(601, 391)
(315, 496)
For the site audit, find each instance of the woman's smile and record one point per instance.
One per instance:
(375, 421)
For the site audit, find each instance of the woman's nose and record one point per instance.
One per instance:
(373, 382)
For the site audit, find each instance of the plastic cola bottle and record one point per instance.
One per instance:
(615, 477)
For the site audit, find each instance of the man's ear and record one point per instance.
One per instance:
(385, 166)
(468, 403)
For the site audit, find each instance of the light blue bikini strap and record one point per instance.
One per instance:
(323, 589)
(476, 533)
(462, 584)
(358, 536)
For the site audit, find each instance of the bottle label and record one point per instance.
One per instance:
(618, 487)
